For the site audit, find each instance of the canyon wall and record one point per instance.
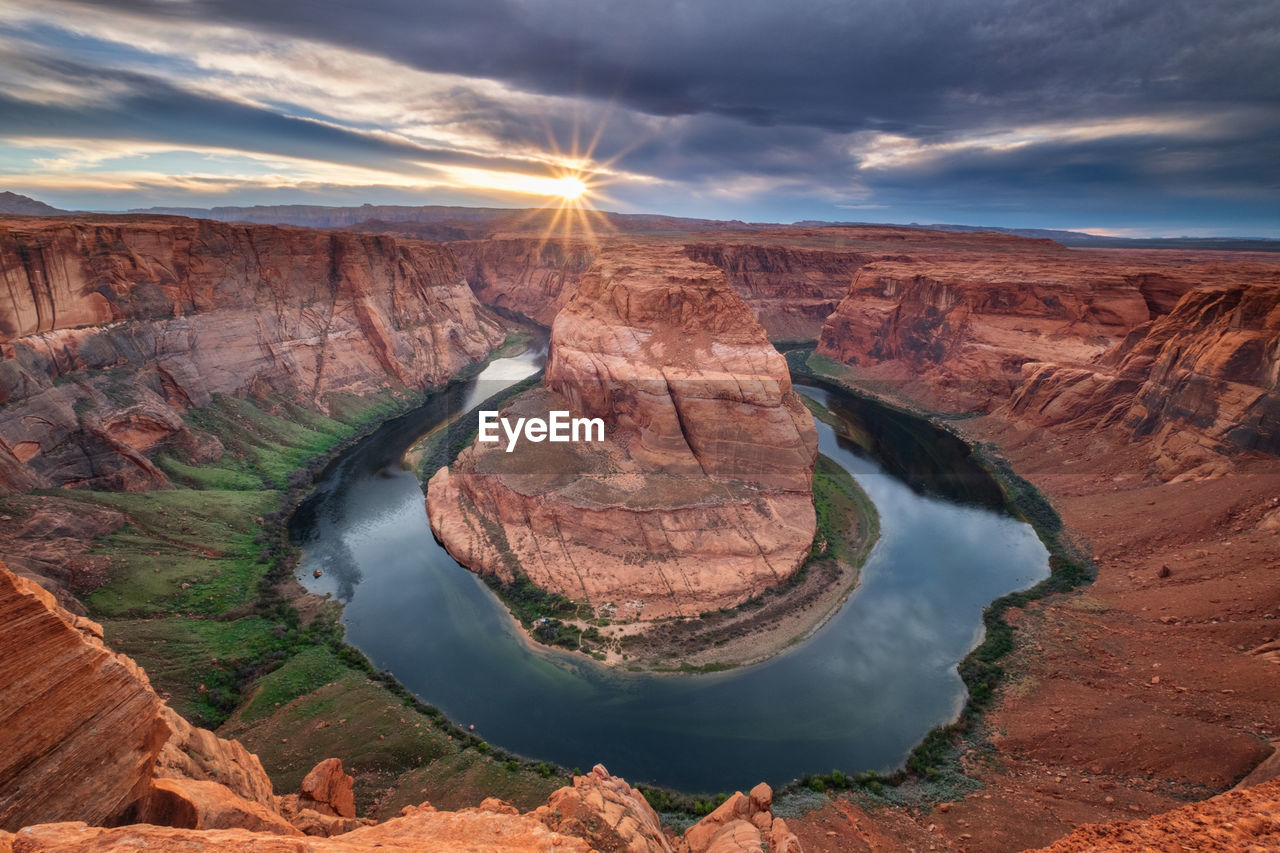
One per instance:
(966, 326)
(532, 276)
(1178, 353)
(1199, 386)
(699, 497)
(791, 290)
(111, 327)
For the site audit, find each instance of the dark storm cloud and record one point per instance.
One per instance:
(904, 65)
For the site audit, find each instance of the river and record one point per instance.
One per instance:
(857, 695)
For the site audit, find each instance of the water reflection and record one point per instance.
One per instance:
(857, 695)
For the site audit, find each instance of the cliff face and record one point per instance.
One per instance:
(700, 495)
(791, 290)
(111, 326)
(965, 326)
(1177, 353)
(1199, 385)
(535, 277)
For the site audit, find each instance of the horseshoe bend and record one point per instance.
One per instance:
(178, 394)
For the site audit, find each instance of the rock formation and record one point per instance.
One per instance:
(742, 823)
(1200, 385)
(1180, 353)
(533, 276)
(420, 829)
(84, 737)
(791, 290)
(605, 811)
(110, 327)
(968, 324)
(80, 728)
(700, 495)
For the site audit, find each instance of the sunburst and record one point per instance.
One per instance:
(578, 179)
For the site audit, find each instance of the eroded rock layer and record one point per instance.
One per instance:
(82, 734)
(699, 497)
(1180, 353)
(1201, 384)
(534, 277)
(791, 290)
(111, 326)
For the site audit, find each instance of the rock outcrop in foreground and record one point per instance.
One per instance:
(699, 497)
(111, 327)
(84, 737)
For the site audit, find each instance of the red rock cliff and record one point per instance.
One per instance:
(111, 326)
(700, 496)
(82, 734)
(791, 290)
(1199, 385)
(534, 277)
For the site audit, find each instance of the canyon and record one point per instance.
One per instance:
(1136, 389)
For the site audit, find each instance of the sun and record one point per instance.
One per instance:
(571, 187)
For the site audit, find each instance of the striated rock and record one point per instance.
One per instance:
(699, 497)
(84, 737)
(605, 811)
(966, 324)
(80, 728)
(674, 358)
(1198, 386)
(534, 277)
(792, 290)
(110, 327)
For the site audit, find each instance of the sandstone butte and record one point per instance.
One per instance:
(1136, 389)
(699, 498)
(170, 311)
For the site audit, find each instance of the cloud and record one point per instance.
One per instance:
(711, 107)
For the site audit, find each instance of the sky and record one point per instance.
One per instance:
(1125, 117)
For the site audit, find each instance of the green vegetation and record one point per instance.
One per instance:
(837, 498)
(199, 593)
